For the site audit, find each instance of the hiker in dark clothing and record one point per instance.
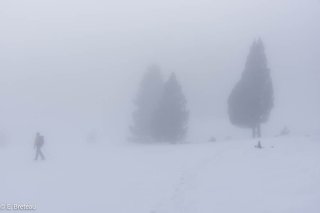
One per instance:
(38, 144)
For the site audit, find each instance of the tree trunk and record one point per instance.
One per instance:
(254, 135)
(256, 131)
(259, 130)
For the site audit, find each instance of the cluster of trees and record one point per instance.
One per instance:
(161, 113)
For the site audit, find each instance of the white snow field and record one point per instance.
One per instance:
(217, 177)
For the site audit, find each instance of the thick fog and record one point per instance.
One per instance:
(68, 68)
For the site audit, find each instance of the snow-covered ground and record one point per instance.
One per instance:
(222, 177)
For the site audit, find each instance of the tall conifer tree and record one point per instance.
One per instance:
(251, 100)
(171, 118)
(146, 103)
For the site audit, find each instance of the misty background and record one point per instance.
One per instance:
(68, 68)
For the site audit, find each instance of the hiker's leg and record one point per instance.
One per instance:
(41, 154)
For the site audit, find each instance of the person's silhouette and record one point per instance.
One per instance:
(38, 144)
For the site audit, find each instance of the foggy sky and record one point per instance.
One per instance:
(71, 67)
